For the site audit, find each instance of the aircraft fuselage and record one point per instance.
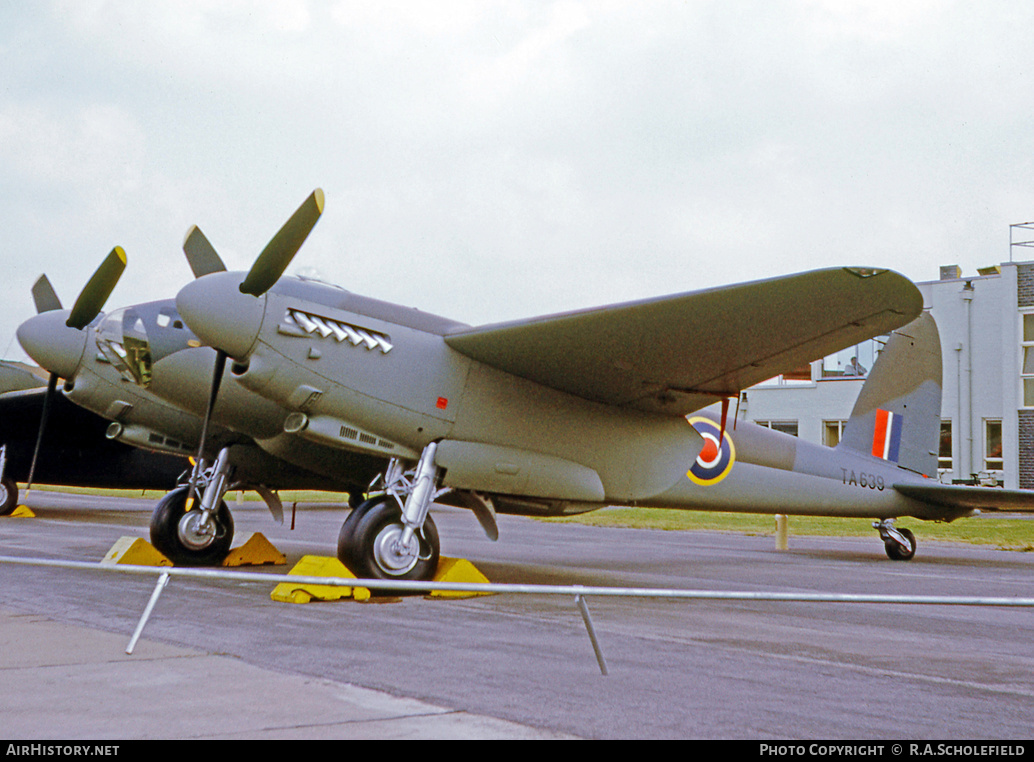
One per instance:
(356, 373)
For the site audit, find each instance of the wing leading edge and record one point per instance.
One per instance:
(677, 354)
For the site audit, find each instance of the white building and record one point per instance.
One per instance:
(986, 323)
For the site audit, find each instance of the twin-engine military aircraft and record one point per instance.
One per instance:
(547, 416)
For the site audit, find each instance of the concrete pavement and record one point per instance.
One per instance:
(62, 681)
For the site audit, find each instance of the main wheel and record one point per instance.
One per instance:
(369, 543)
(344, 538)
(897, 553)
(8, 496)
(175, 531)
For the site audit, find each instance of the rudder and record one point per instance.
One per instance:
(897, 416)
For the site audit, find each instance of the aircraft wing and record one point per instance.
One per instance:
(16, 376)
(971, 498)
(677, 354)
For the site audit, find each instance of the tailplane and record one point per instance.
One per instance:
(898, 413)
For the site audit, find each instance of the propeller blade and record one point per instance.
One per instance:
(201, 255)
(44, 296)
(51, 387)
(279, 252)
(217, 378)
(97, 290)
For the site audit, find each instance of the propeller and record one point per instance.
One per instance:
(44, 296)
(201, 255)
(279, 252)
(46, 300)
(267, 269)
(204, 260)
(217, 378)
(87, 306)
(97, 289)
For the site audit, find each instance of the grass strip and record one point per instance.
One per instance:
(1005, 533)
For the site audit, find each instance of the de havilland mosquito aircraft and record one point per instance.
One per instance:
(552, 415)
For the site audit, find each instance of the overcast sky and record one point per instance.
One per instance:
(494, 160)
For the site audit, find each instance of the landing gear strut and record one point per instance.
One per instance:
(192, 532)
(900, 544)
(388, 538)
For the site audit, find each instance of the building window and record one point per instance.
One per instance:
(1027, 370)
(854, 362)
(787, 427)
(944, 461)
(993, 460)
(832, 432)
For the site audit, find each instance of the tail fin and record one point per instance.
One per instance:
(898, 413)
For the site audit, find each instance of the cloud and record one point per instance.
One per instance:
(93, 146)
(488, 160)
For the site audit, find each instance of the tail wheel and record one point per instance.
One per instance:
(8, 496)
(896, 551)
(370, 543)
(178, 533)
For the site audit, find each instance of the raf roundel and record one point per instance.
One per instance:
(715, 461)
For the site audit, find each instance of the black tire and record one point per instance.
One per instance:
(166, 536)
(8, 496)
(344, 538)
(374, 521)
(897, 553)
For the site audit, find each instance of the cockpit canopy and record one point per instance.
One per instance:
(132, 339)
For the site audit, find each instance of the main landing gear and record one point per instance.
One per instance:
(196, 532)
(388, 536)
(900, 544)
(372, 543)
(8, 487)
(392, 535)
(187, 535)
(8, 496)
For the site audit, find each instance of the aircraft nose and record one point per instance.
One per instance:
(214, 308)
(56, 347)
